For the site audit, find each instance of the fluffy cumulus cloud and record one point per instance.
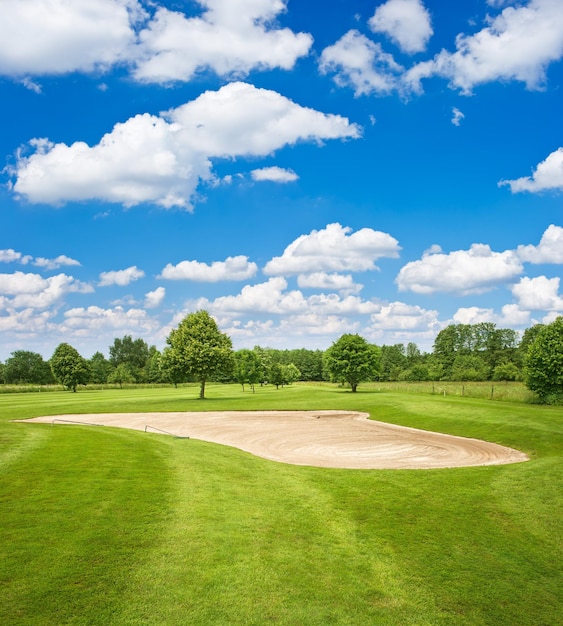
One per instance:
(334, 249)
(343, 283)
(231, 37)
(538, 294)
(273, 297)
(122, 278)
(361, 64)
(548, 176)
(233, 268)
(462, 272)
(549, 250)
(399, 316)
(25, 290)
(511, 316)
(406, 22)
(274, 174)
(52, 264)
(9, 256)
(518, 44)
(306, 325)
(58, 36)
(154, 299)
(89, 321)
(163, 159)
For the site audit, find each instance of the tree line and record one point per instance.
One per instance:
(197, 351)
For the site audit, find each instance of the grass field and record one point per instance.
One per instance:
(108, 526)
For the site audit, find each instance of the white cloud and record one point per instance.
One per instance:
(517, 44)
(81, 322)
(233, 268)
(163, 159)
(59, 36)
(361, 64)
(122, 278)
(406, 22)
(52, 264)
(549, 250)
(272, 297)
(274, 174)
(343, 283)
(288, 333)
(547, 175)
(20, 290)
(334, 249)
(457, 116)
(231, 38)
(154, 299)
(404, 317)
(512, 315)
(9, 256)
(538, 294)
(27, 322)
(462, 272)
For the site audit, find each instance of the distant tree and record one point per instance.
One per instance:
(392, 362)
(469, 367)
(121, 374)
(544, 363)
(2, 373)
(152, 371)
(201, 349)
(351, 359)
(100, 369)
(69, 368)
(248, 368)
(506, 371)
(171, 369)
(291, 373)
(133, 352)
(275, 375)
(27, 367)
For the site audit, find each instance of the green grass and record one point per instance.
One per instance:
(108, 526)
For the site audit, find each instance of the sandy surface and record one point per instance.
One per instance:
(343, 439)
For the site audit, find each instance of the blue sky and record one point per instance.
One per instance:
(300, 169)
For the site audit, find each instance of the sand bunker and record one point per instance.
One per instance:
(341, 439)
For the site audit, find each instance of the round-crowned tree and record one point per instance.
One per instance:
(543, 363)
(199, 349)
(69, 368)
(351, 359)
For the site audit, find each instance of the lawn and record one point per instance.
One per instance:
(108, 526)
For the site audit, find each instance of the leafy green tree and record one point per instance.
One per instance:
(469, 367)
(27, 367)
(248, 368)
(2, 373)
(69, 367)
(151, 372)
(291, 373)
(100, 369)
(171, 369)
(201, 349)
(121, 374)
(392, 362)
(351, 359)
(275, 375)
(133, 352)
(544, 363)
(506, 371)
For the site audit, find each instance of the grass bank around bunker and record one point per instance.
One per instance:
(336, 439)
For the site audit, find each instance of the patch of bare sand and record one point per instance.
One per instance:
(339, 439)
